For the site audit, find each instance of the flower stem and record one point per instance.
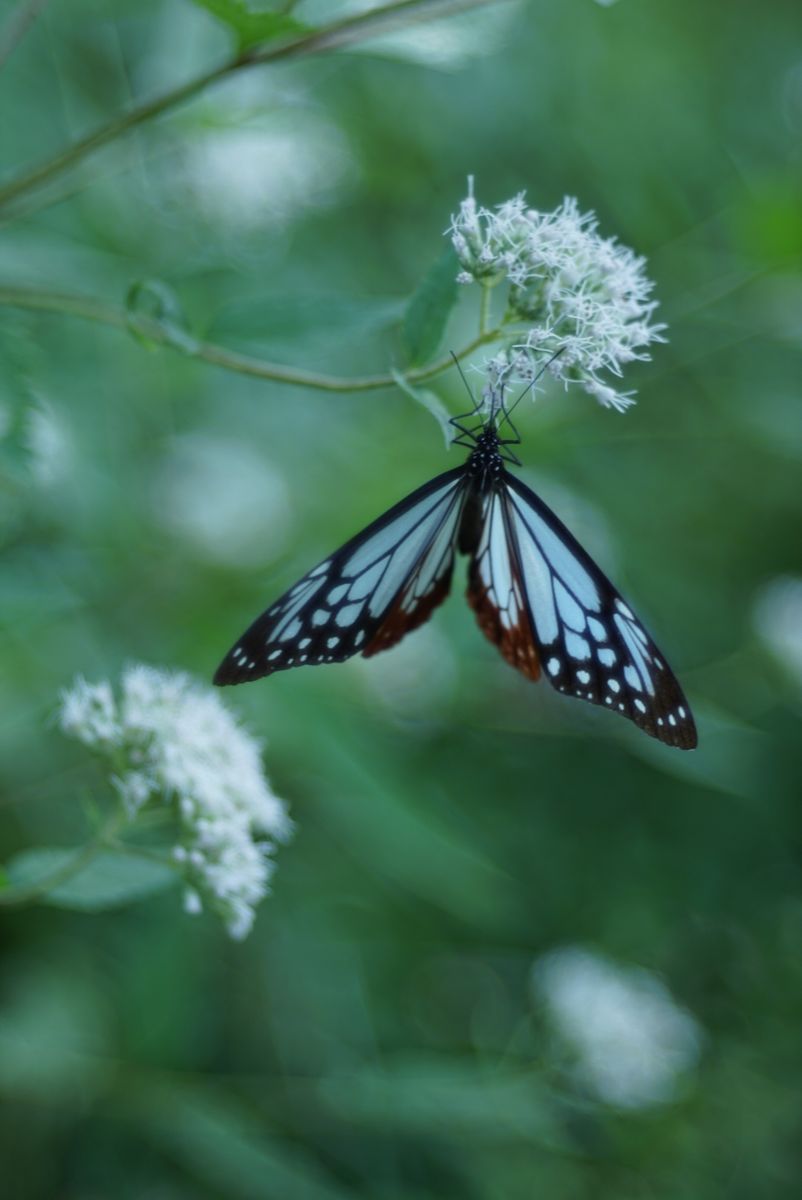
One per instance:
(484, 309)
(29, 893)
(162, 334)
(346, 32)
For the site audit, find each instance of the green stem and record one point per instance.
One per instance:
(334, 36)
(29, 893)
(229, 360)
(484, 309)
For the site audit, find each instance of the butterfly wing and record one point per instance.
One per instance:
(540, 597)
(377, 587)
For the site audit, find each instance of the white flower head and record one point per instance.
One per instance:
(778, 620)
(581, 301)
(632, 1043)
(88, 713)
(174, 742)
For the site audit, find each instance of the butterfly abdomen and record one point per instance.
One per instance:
(483, 469)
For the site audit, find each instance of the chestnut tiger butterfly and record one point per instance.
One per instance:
(537, 595)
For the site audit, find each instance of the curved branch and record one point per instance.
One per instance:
(163, 334)
(347, 32)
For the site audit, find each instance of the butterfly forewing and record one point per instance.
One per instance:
(374, 589)
(587, 639)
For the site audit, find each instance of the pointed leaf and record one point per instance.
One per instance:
(430, 307)
(107, 880)
(431, 402)
(251, 26)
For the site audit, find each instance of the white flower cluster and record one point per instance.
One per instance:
(173, 742)
(583, 300)
(633, 1044)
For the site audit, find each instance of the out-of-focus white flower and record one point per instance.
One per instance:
(47, 443)
(173, 742)
(88, 712)
(778, 620)
(448, 44)
(632, 1042)
(254, 175)
(224, 498)
(582, 300)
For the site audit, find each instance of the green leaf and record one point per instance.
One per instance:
(430, 307)
(252, 27)
(226, 1147)
(431, 402)
(159, 305)
(107, 880)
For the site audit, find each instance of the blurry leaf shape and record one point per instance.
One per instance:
(431, 402)
(226, 1148)
(252, 26)
(387, 828)
(53, 1035)
(730, 757)
(451, 43)
(429, 308)
(107, 880)
(450, 1097)
(33, 591)
(289, 318)
(159, 305)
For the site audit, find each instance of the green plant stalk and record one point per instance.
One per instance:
(339, 34)
(29, 893)
(160, 334)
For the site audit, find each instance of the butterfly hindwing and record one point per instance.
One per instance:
(496, 591)
(562, 611)
(374, 589)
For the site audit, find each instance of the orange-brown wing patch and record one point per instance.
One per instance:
(404, 616)
(512, 637)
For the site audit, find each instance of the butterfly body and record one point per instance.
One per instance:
(537, 596)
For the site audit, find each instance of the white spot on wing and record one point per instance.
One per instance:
(597, 629)
(559, 557)
(292, 630)
(569, 610)
(347, 615)
(553, 666)
(576, 646)
(368, 580)
(537, 581)
(632, 678)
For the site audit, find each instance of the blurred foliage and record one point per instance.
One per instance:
(376, 1035)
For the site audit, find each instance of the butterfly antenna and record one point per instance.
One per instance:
(477, 404)
(532, 383)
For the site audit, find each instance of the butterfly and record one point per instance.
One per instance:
(538, 596)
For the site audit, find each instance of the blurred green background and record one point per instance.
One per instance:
(393, 1028)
